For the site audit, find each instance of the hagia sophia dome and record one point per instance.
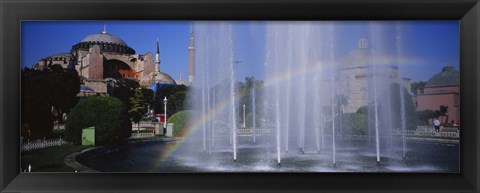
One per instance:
(106, 41)
(104, 37)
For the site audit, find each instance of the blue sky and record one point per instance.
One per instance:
(429, 44)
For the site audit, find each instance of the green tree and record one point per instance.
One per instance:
(176, 102)
(425, 116)
(414, 86)
(363, 110)
(340, 102)
(249, 120)
(65, 85)
(396, 108)
(244, 94)
(138, 107)
(177, 99)
(147, 96)
(443, 112)
(135, 98)
(45, 92)
(437, 114)
(107, 114)
(356, 123)
(124, 89)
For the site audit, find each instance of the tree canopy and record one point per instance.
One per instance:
(45, 92)
(177, 97)
(107, 114)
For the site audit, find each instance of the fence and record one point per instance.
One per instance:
(422, 131)
(146, 125)
(142, 135)
(258, 131)
(40, 144)
(244, 131)
(430, 132)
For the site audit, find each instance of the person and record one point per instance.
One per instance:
(64, 117)
(436, 123)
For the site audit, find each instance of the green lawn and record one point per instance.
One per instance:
(50, 159)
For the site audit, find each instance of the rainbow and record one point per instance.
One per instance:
(278, 78)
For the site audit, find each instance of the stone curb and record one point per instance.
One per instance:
(70, 160)
(453, 141)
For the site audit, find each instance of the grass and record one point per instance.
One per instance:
(50, 159)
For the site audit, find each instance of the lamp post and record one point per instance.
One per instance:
(244, 125)
(165, 112)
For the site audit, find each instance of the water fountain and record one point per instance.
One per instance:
(301, 63)
(320, 108)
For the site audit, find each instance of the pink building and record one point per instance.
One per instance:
(442, 89)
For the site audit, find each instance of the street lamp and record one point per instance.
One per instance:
(244, 125)
(165, 111)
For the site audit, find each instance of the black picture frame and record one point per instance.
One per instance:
(12, 12)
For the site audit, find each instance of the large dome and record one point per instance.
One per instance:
(448, 77)
(107, 43)
(104, 38)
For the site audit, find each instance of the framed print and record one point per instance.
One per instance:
(239, 96)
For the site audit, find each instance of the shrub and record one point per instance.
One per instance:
(180, 122)
(107, 114)
(356, 122)
(249, 120)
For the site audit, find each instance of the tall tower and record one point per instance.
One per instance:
(191, 61)
(362, 43)
(157, 59)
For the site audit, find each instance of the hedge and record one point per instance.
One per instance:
(107, 114)
(180, 122)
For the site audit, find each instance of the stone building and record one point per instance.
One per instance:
(442, 89)
(101, 58)
(66, 60)
(354, 78)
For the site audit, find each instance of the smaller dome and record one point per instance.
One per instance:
(448, 77)
(59, 56)
(64, 54)
(160, 78)
(163, 78)
(358, 57)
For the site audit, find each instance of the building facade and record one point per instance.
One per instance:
(101, 58)
(442, 89)
(355, 79)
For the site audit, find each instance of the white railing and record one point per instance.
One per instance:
(430, 132)
(244, 131)
(42, 143)
(142, 135)
(249, 131)
(146, 125)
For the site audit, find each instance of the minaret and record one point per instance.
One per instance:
(104, 29)
(362, 43)
(191, 61)
(157, 59)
